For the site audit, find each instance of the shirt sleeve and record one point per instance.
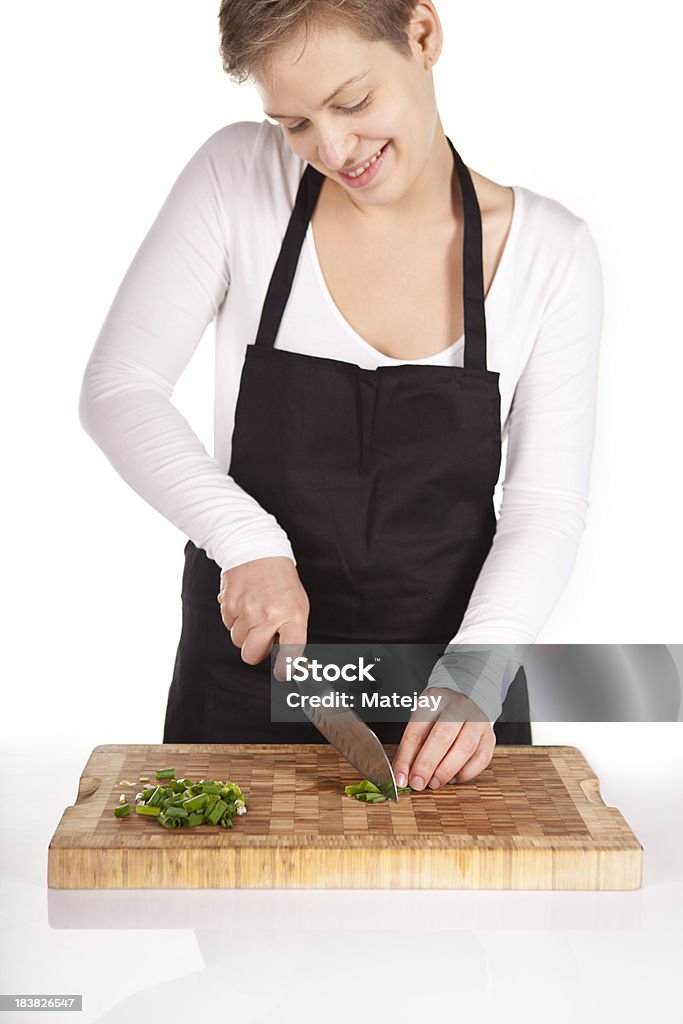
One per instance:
(172, 291)
(550, 432)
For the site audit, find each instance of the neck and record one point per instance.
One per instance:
(430, 200)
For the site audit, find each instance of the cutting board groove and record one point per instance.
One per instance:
(534, 819)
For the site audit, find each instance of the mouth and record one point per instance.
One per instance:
(365, 172)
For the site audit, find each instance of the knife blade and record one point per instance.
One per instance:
(351, 736)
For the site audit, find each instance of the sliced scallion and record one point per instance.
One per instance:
(148, 809)
(367, 792)
(184, 803)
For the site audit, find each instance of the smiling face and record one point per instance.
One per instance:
(385, 110)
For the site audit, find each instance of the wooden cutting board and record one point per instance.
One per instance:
(534, 819)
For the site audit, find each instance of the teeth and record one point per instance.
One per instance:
(363, 169)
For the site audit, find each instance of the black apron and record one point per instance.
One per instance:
(383, 481)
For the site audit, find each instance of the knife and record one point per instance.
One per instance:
(351, 736)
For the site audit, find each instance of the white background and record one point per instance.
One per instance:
(104, 104)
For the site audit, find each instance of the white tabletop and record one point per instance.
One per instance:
(335, 955)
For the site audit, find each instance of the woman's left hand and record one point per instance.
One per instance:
(456, 742)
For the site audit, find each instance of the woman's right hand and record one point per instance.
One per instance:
(260, 599)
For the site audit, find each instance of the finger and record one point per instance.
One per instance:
(229, 618)
(477, 763)
(418, 728)
(292, 644)
(258, 644)
(441, 738)
(230, 621)
(412, 739)
(238, 629)
(223, 586)
(453, 768)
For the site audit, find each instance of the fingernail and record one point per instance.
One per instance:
(433, 783)
(416, 782)
(400, 779)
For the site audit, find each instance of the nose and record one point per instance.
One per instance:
(336, 148)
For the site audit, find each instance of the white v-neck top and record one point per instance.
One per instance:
(451, 356)
(209, 255)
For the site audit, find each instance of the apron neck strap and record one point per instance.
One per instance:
(472, 271)
(288, 258)
(282, 277)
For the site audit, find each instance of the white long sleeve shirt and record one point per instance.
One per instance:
(209, 256)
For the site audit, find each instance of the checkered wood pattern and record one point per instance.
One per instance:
(542, 803)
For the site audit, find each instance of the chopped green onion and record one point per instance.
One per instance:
(212, 787)
(184, 803)
(231, 792)
(195, 803)
(369, 793)
(362, 787)
(169, 821)
(148, 809)
(216, 813)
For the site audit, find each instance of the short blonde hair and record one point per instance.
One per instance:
(251, 30)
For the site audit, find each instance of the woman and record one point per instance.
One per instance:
(357, 444)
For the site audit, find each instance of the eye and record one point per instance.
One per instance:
(344, 110)
(359, 106)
